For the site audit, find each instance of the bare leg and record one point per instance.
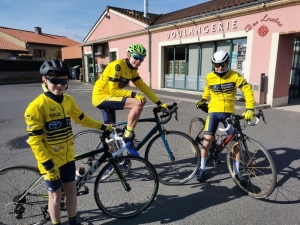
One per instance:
(54, 204)
(70, 198)
(136, 108)
(208, 139)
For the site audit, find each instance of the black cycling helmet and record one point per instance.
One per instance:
(55, 67)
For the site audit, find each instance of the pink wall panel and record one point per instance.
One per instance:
(113, 26)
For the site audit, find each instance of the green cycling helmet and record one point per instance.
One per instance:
(138, 49)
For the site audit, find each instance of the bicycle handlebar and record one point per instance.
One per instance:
(231, 120)
(167, 113)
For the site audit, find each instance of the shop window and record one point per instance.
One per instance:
(186, 66)
(192, 67)
(238, 55)
(206, 66)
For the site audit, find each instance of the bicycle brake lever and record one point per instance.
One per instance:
(261, 114)
(176, 117)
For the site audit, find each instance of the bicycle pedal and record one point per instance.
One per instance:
(85, 192)
(79, 193)
(216, 162)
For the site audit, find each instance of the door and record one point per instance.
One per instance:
(90, 69)
(294, 90)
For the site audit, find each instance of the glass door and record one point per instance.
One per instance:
(294, 90)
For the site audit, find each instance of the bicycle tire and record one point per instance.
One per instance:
(186, 153)
(257, 167)
(196, 130)
(111, 197)
(86, 141)
(14, 182)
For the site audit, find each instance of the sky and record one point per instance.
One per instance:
(74, 18)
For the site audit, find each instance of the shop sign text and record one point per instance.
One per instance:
(203, 29)
(263, 30)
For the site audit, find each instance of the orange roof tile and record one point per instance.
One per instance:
(32, 37)
(6, 45)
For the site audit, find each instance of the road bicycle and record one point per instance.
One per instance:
(124, 187)
(256, 164)
(174, 154)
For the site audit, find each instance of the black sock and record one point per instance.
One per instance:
(72, 220)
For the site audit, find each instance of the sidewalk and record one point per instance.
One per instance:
(193, 97)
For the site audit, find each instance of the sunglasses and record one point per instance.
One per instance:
(137, 57)
(217, 65)
(57, 81)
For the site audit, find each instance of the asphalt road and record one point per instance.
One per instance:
(217, 201)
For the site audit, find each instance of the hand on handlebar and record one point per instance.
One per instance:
(200, 103)
(163, 105)
(248, 115)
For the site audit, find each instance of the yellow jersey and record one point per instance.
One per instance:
(114, 79)
(49, 128)
(222, 91)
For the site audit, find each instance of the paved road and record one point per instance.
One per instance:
(218, 201)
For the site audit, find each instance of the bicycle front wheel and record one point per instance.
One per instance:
(257, 166)
(17, 206)
(114, 200)
(185, 162)
(196, 130)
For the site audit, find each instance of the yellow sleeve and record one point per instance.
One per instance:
(140, 84)
(246, 88)
(80, 118)
(35, 124)
(206, 93)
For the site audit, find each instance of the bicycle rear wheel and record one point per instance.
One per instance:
(16, 208)
(86, 141)
(114, 200)
(256, 166)
(186, 157)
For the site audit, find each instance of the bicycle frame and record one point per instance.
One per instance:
(106, 155)
(158, 127)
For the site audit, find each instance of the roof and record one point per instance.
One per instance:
(201, 9)
(32, 37)
(9, 46)
(137, 15)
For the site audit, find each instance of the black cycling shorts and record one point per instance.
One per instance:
(212, 122)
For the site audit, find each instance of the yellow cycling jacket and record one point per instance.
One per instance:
(50, 132)
(114, 78)
(222, 91)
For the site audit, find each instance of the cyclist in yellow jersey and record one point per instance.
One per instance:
(221, 87)
(109, 93)
(48, 119)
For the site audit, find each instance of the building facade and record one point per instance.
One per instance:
(262, 37)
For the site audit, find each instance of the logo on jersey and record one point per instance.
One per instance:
(117, 67)
(29, 117)
(54, 125)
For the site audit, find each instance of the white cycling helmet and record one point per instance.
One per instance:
(220, 57)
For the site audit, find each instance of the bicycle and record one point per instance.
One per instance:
(174, 154)
(125, 187)
(256, 164)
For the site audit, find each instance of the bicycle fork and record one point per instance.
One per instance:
(120, 175)
(163, 135)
